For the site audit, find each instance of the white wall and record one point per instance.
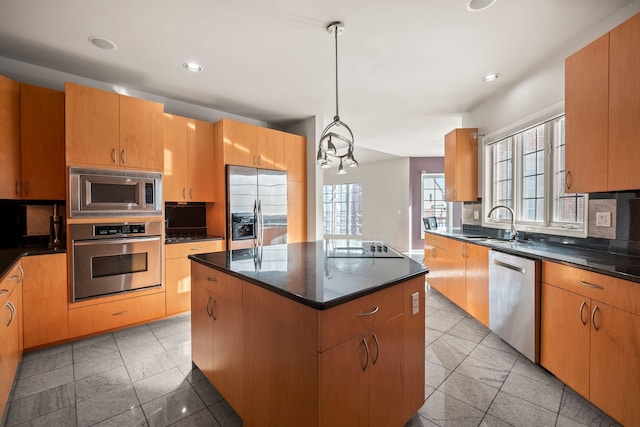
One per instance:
(386, 202)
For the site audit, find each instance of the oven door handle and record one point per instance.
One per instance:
(114, 241)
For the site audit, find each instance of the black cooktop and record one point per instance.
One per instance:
(351, 248)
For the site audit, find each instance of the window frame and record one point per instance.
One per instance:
(448, 206)
(348, 203)
(548, 225)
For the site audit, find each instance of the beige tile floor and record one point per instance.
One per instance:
(143, 376)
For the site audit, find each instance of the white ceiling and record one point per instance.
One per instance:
(408, 68)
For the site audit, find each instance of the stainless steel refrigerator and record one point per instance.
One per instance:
(256, 207)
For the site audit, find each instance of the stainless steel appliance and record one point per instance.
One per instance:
(185, 221)
(261, 195)
(114, 192)
(514, 302)
(113, 258)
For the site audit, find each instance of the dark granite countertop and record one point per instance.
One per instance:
(625, 267)
(302, 272)
(9, 256)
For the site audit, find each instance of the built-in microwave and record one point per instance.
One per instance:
(114, 192)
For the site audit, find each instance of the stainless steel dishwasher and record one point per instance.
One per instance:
(514, 302)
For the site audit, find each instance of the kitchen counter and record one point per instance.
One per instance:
(303, 272)
(625, 267)
(9, 256)
(190, 239)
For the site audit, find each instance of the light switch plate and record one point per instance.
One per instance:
(476, 214)
(415, 303)
(603, 219)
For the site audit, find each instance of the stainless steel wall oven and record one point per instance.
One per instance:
(113, 258)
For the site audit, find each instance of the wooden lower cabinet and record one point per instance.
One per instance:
(216, 330)
(590, 337)
(10, 330)
(104, 316)
(477, 282)
(361, 378)
(457, 285)
(177, 275)
(45, 300)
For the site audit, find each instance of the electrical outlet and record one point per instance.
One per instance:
(603, 219)
(476, 215)
(415, 303)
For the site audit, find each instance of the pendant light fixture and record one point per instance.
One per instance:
(336, 142)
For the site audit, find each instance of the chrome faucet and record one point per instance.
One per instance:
(514, 232)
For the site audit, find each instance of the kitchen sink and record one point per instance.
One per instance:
(486, 239)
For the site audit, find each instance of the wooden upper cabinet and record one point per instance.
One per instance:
(270, 148)
(239, 143)
(624, 106)
(107, 129)
(174, 139)
(188, 159)
(42, 143)
(9, 139)
(138, 147)
(295, 150)
(587, 117)
(602, 109)
(200, 161)
(461, 165)
(92, 126)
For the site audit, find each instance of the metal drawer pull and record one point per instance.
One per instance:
(590, 285)
(366, 347)
(21, 273)
(196, 249)
(214, 316)
(375, 339)
(593, 318)
(113, 155)
(207, 308)
(212, 280)
(369, 313)
(4, 291)
(14, 278)
(124, 156)
(184, 193)
(13, 312)
(510, 266)
(584, 303)
(120, 313)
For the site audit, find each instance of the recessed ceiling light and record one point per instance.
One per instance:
(490, 77)
(102, 43)
(478, 5)
(192, 66)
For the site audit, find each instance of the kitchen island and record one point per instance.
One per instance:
(315, 333)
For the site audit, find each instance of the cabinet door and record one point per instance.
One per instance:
(295, 150)
(270, 148)
(438, 270)
(615, 362)
(624, 106)
(9, 139)
(387, 367)
(42, 143)
(202, 329)
(174, 141)
(587, 117)
(178, 285)
(461, 165)
(92, 126)
(138, 147)
(450, 166)
(477, 282)
(456, 285)
(10, 352)
(239, 143)
(44, 292)
(344, 383)
(200, 162)
(564, 336)
(226, 311)
(296, 212)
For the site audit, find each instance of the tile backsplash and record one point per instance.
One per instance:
(38, 219)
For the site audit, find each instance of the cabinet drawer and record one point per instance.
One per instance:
(213, 280)
(434, 239)
(183, 250)
(340, 323)
(101, 317)
(10, 280)
(619, 293)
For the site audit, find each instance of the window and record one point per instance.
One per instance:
(342, 209)
(433, 203)
(525, 171)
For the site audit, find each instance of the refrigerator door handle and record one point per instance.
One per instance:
(256, 224)
(261, 224)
